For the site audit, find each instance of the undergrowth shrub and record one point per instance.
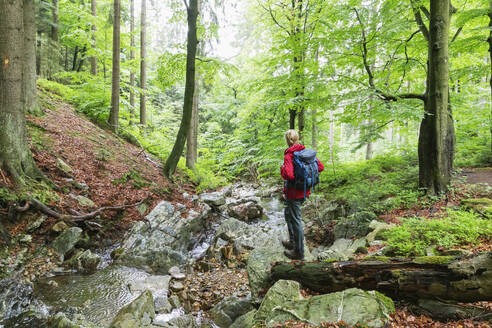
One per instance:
(378, 185)
(415, 235)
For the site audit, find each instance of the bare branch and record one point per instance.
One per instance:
(426, 12)
(269, 10)
(364, 50)
(186, 4)
(420, 22)
(456, 34)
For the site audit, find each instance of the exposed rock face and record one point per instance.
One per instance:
(342, 249)
(357, 225)
(244, 321)
(138, 313)
(229, 309)
(66, 241)
(163, 240)
(281, 292)
(158, 286)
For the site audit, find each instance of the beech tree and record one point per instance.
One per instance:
(132, 57)
(172, 161)
(115, 89)
(15, 155)
(29, 68)
(143, 72)
(94, 30)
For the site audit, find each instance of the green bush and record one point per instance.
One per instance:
(378, 185)
(415, 235)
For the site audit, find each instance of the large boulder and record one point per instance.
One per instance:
(245, 321)
(353, 306)
(66, 241)
(260, 260)
(281, 292)
(163, 240)
(377, 227)
(229, 309)
(138, 313)
(356, 225)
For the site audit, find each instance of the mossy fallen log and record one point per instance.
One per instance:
(447, 278)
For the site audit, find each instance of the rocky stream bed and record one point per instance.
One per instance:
(185, 268)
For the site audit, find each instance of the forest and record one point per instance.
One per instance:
(142, 145)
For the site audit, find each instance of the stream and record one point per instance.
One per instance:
(98, 297)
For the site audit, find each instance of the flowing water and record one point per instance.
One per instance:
(98, 297)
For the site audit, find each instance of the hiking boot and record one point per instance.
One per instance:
(288, 244)
(293, 255)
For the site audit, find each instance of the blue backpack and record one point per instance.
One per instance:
(306, 173)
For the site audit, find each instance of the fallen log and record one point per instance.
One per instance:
(466, 279)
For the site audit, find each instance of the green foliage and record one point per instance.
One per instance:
(136, 179)
(415, 235)
(380, 184)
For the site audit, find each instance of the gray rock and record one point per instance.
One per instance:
(84, 261)
(176, 286)
(80, 185)
(138, 313)
(66, 241)
(246, 211)
(357, 225)
(260, 261)
(245, 321)
(342, 249)
(84, 201)
(15, 297)
(282, 291)
(229, 309)
(158, 286)
(163, 240)
(184, 321)
(142, 208)
(377, 227)
(36, 224)
(353, 306)
(214, 199)
(64, 166)
(176, 273)
(60, 226)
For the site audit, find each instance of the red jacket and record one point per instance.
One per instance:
(287, 172)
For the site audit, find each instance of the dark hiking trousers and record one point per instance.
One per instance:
(292, 213)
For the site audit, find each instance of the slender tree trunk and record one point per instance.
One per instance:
(132, 58)
(143, 72)
(490, 53)
(173, 158)
(436, 138)
(82, 58)
(370, 144)
(74, 60)
(54, 27)
(38, 53)
(314, 131)
(29, 78)
(292, 119)
(94, 29)
(332, 132)
(192, 138)
(66, 59)
(15, 156)
(115, 90)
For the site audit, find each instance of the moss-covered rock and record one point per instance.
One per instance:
(354, 306)
(138, 313)
(282, 291)
(245, 321)
(434, 259)
(480, 205)
(229, 309)
(66, 241)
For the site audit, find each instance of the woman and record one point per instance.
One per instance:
(294, 199)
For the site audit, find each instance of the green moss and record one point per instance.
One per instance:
(39, 139)
(386, 301)
(136, 179)
(330, 260)
(434, 259)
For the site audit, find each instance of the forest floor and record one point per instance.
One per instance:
(111, 171)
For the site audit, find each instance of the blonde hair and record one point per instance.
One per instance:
(291, 137)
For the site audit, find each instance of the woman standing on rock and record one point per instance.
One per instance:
(296, 194)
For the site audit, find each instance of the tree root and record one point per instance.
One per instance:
(77, 217)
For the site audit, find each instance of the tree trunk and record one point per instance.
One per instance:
(463, 280)
(74, 60)
(314, 131)
(82, 58)
(173, 158)
(192, 138)
(15, 156)
(94, 29)
(115, 89)
(292, 119)
(436, 138)
(54, 27)
(332, 132)
(370, 144)
(29, 68)
(132, 58)
(143, 72)
(38, 54)
(490, 53)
